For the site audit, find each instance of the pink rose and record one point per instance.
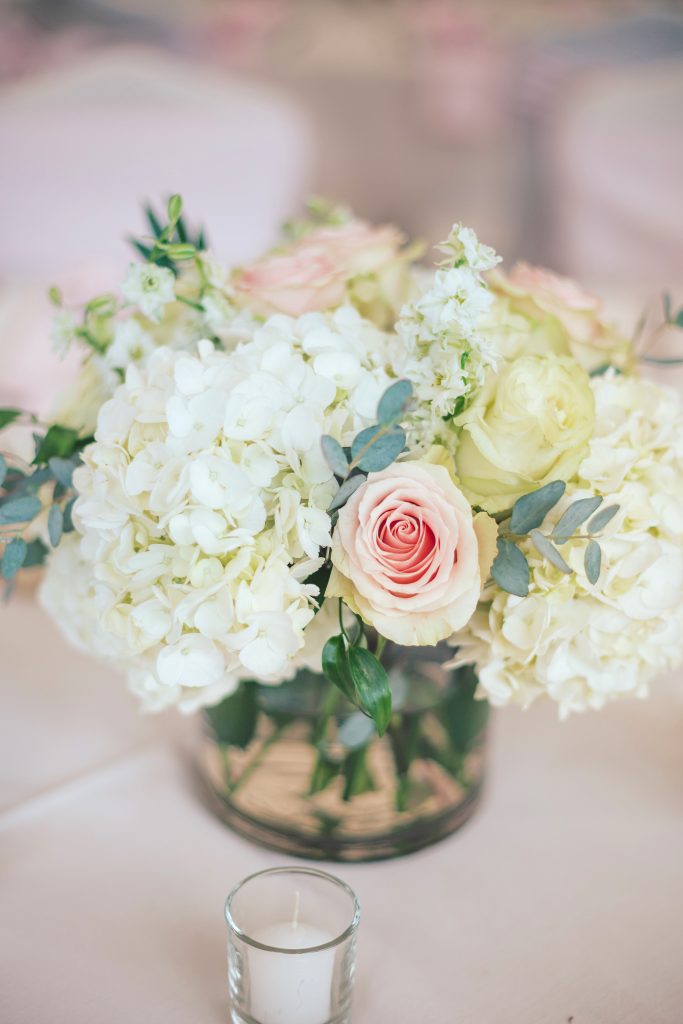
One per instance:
(537, 293)
(313, 273)
(406, 553)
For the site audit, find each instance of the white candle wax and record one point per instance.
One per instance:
(291, 988)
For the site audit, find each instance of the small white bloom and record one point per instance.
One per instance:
(131, 344)
(150, 288)
(193, 661)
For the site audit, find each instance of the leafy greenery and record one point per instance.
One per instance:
(171, 243)
(548, 551)
(529, 511)
(510, 568)
(234, 719)
(374, 448)
(573, 517)
(593, 561)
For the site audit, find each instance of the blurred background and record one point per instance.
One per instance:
(554, 128)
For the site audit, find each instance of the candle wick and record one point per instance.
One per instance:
(295, 919)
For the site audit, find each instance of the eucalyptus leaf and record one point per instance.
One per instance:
(592, 561)
(68, 524)
(549, 551)
(371, 684)
(573, 516)
(55, 525)
(510, 568)
(374, 450)
(19, 510)
(62, 469)
(346, 490)
(336, 668)
(13, 557)
(8, 416)
(529, 511)
(3, 469)
(602, 518)
(334, 455)
(36, 553)
(394, 402)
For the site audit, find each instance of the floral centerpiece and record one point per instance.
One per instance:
(333, 497)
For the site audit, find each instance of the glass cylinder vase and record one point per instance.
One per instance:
(297, 768)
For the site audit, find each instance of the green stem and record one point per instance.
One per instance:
(381, 644)
(257, 759)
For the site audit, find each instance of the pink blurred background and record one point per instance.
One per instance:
(554, 128)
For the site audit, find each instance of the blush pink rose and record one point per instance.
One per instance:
(407, 554)
(312, 274)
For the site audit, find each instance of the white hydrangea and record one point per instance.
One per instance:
(202, 506)
(584, 645)
(444, 355)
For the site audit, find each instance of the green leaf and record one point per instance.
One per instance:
(592, 561)
(13, 557)
(464, 715)
(334, 455)
(55, 296)
(3, 469)
(457, 408)
(19, 510)
(602, 369)
(346, 490)
(234, 719)
(371, 684)
(55, 525)
(358, 779)
(573, 516)
(529, 511)
(602, 518)
(679, 318)
(548, 551)
(59, 442)
(374, 450)
(324, 772)
(510, 568)
(8, 416)
(320, 578)
(394, 403)
(666, 306)
(336, 668)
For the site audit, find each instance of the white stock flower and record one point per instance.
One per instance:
(579, 644)
(150, 288)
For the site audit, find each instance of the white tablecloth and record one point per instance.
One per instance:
(561, 901)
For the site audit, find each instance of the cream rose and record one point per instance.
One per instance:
(531, 424)
(538, 311)
(325, 268)
(406, 553)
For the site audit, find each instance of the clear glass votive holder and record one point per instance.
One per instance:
(291, 947)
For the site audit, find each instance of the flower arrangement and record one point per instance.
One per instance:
(291, 464)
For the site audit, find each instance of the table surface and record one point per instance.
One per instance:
(561, 901)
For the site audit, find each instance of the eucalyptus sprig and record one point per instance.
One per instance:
(374, 448)
(510, 568)
(57, 453)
